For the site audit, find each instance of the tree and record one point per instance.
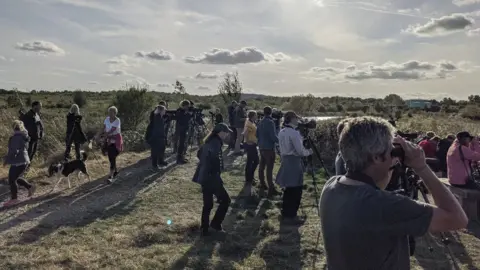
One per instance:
(230, 88)
(394, 100)
(79, 98)
(180, 89)
(133, 106)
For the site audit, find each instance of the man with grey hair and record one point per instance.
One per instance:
(365, 227)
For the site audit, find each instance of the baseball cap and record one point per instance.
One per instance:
(221, 127)
(464, 134)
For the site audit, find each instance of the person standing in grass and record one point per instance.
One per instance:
(208, 175)
(155, 136)
(113, 144)
(267, 139)
(18, 159)
(33, 124)
(75, 134)
(240, 115)
(250, 146)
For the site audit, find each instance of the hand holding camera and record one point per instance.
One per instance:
(413, 155)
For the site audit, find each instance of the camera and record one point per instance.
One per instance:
(277, 115)
(408, 136)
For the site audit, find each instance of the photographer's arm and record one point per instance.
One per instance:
(448, 214)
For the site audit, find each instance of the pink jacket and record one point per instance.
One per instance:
(457, 170)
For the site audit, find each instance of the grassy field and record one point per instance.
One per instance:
(124, 226)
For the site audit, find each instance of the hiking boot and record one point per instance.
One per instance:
(31, 190)
(11, 202)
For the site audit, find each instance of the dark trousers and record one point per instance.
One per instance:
(181, 147)
(291, 201)
(69, 148)
(252, 162)
(233, 137)
(15, 174)
(112, 153)
(267, 159)
(32, 149)
(167, 128)
(224, 203)
(157, 152)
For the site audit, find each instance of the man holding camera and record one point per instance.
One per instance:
(365, 227)
(183, 116)
(155, 136)
(290, 174)
(267, 138)
(240, 118)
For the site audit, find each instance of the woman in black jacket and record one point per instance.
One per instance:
(208, 175)
(75, 134)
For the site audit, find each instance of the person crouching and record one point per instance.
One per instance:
(18, 159)
(155, 137)
(290, 174)
(208, 175)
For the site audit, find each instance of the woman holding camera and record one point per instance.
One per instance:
(75, 134)
(250, 146)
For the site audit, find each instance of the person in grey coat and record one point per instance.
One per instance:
(208, 175)
(18, 159)
(290, 174)
(155, 136)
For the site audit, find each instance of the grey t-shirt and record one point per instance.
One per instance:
(367, 228)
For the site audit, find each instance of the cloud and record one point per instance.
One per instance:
(246, 55)
(203, 87)
(465, 2)
(93, 82)
(209, 75)
(338, 61)
(3, 58)
(164, 85)
(410, 70)
(441, 26)
(474, 32)
(117, 72)
(119, 60)
(160, 55)
(40, 46)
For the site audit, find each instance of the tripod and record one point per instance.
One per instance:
(412, 186)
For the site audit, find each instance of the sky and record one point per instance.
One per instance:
(371, 48)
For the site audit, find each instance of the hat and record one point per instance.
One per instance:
(243, 102)
(221, 127)
(464, 134)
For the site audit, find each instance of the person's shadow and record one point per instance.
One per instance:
(285, 251)
(91, 201)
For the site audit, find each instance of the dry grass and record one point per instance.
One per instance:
(124, 226)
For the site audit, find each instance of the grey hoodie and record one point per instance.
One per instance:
(17, 149)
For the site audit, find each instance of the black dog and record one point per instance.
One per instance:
(65, 169)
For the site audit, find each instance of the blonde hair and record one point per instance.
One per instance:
(75, 109)
(113, 108)
(19, 126)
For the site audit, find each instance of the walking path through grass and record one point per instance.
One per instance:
(125, 226)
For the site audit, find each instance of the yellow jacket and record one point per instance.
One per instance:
(250, 132)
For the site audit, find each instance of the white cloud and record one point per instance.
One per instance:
(40, 46)
(155, 55)
(441, 26)
(117, 72)
(93, 82)
(246, 55)
(209, 75)
(201, 87)
(3, 58)
(410, 70)
(474, 32)
(119, 61)
(465, 2)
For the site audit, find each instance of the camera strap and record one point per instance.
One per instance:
(361, 177)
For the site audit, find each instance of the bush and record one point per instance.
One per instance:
(79, 98)
(471, 111)
(133, 106)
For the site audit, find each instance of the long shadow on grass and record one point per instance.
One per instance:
(285, 251)
(93, 200)
(440, 258)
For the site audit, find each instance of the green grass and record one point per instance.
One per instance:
(124, 226)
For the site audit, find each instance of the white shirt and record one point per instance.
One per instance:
(109, 125)
(291, 143)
